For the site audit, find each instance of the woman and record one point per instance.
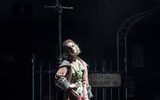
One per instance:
(72, 73)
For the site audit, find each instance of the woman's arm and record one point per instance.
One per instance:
(63, 74)
(61, 79)
(85, 82)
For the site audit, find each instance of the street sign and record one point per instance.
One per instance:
(105, 80)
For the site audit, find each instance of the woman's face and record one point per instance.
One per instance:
(72, 49)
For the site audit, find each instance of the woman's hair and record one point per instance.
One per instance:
(66, 49)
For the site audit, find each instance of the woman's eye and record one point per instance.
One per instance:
(72, 46)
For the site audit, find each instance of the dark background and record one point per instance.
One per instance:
(27, 27)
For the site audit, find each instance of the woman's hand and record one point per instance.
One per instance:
(72, 86)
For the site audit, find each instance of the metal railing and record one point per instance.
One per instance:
(43, 87)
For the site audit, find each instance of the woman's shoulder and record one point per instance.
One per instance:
(65, 63)
(83, 62)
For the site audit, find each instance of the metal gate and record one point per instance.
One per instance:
(43, 87)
